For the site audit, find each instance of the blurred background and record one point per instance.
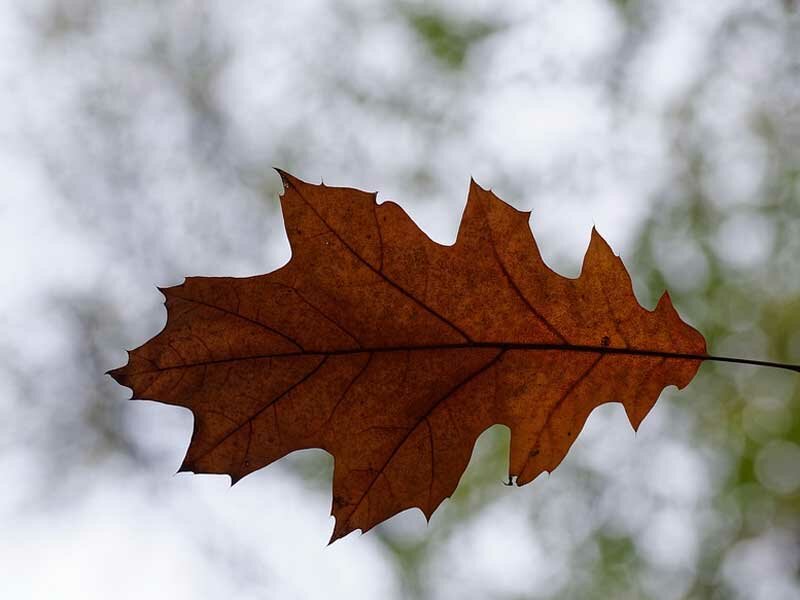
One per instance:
(136, 146)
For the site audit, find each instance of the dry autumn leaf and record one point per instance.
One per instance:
(394, 353)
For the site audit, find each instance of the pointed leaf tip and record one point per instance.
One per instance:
(119, 376)
(475, 185)
(287, 179)
(599, 240)
(633, 418)
(665, 303)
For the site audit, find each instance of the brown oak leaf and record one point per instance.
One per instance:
(394, 353)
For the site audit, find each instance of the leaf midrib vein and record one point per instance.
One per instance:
(465, 346)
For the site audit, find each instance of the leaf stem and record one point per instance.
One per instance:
(758, 363)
